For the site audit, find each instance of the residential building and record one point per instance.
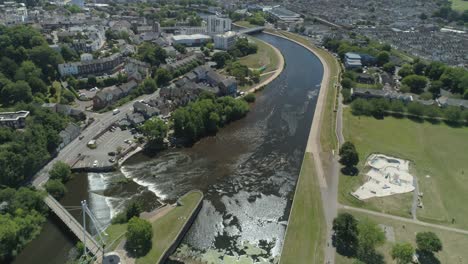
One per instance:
(377, 93)
(145, 109)
(91, 67)
(225, 41)
(218, 25)
(67, 135)
(352, 60)
(111, 94)
(445, 101)
(191, 40)
(175, 65)
(13, 119)
(12, 13)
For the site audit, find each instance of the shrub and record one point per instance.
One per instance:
(56, 188)
(249, 98)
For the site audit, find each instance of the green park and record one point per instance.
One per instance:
(437, 155)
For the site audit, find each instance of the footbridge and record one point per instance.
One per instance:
(88, 240)
(251, 30)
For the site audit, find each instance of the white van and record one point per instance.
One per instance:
(115, 111)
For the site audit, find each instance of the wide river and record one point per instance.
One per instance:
(248, 172)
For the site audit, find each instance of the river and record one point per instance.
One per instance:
(247, 171)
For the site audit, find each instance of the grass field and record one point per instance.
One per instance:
(265, 57)
(459, 5)
(438, 155)
(166, 228)
(454, 245)
(305, 237)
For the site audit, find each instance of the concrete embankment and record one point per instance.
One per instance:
(186, 226)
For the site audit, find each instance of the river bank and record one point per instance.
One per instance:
(301, 233)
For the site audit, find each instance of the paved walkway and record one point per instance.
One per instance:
(403, 219)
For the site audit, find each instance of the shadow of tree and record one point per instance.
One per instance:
(345, 249)
(136, 251)
(350, 171)
(426, 257)
(372, 257)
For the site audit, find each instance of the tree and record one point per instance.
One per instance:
(13, 93)
(415, 82)
(60, 171)
(428, 241)
(55, 188)
(382, 58)
(345, 237)
(370, 236)
(348, 155)
(434, 70)
(149, 86)
(155, 131)
(416, 109)
(389, 67)
(453, 114)
(403, 253)
(139, 235)
(163, 77)
(405, 70)
(133, 209)
(419, 67)
(221, 58)
(152, 53)
(180, 48)
(346, 83)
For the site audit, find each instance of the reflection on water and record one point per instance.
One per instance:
(247, 171)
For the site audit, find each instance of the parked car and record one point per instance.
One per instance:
(112, 153)
(115, 111)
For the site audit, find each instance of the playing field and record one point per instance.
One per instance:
(439, 159)
(459, 5)
(454, 244)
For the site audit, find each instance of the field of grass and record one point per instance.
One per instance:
(166, 228)
(438, 159)
(459, 5)
(454, 245)
(115, 234)
(305, 237)
(265, 57)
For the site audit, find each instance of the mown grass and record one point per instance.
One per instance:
(305, 236)
(244, 23)
(166, 228)
(438, 155)
(265, 57)
(459, 5)
(454, 244)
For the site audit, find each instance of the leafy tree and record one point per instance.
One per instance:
(405, 70)
(139, 235)
(403, 253)
(68, 54)
(416, 83)
(453, 114)
(257, 19)
(60, 171)
(434, 70)
(133, 209)
(415, 109)
(180, 48)
(345, 237)
(419, 67)
(152, 53)
(347, 83)
(55, 188)
(13, 93)
(348, 155)
(163, 77)
(370, 236)
(428, 241)
(389, 67)
(155, 131)
(221, 58)
(382, 58)
(149, 86)
(249, 98)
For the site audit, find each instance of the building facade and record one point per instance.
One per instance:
(218, 25)
(225, 41)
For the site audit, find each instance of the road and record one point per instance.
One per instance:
(77, 146)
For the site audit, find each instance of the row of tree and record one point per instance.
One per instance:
(381, 107)
(359, 239)
(59, 175)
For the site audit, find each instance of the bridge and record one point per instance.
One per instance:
(88, 240)
(251, 30)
